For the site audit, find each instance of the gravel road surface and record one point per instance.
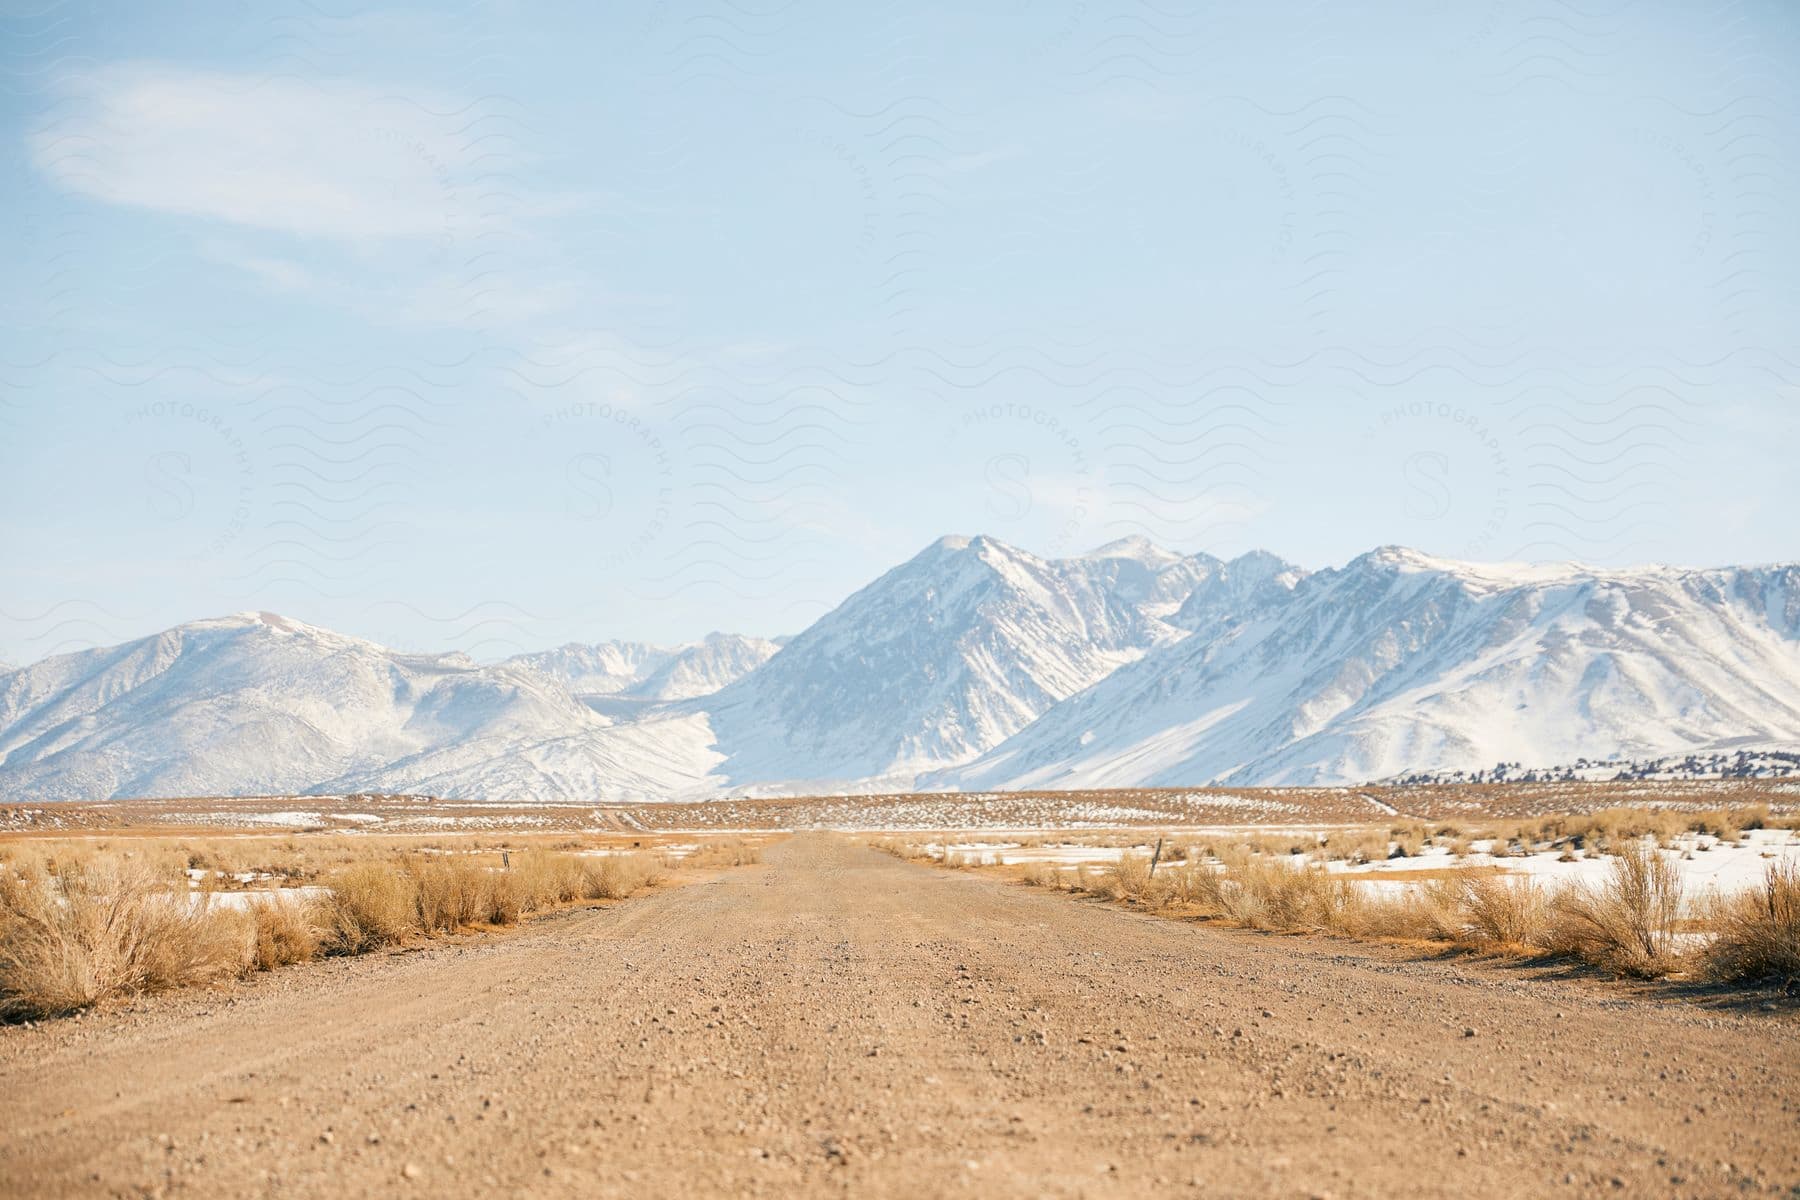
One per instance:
(836, 1022)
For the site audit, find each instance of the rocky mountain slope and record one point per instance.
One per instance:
(642, 671)
(973, 665)
(936, 661)
(1403, 663)
(257, 703)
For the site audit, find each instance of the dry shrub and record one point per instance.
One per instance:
(90, 931)
(1272, 844)
(1270, 894)
(1758, 932)
(1605, 828)
(616, 876)
(1187, 885)
(1628, 926)
(1471, 909)
(1127, 878)
(1409, 841)
(1205, 886)
(726, 852)
(907, 851)
(1727, 824)
(1428, 912)
(454, 892)
(77, 927)
(1159, 890)
(285, 931)
(506, 898)
(182, 943)
(1361, 845)
(372, 904)
(1500, 913)
(545, 880)
(1037, 874)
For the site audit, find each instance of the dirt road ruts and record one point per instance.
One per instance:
(837, 1022)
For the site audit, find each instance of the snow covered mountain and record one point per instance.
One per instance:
(1400, 663)
(643, 671)
(939, 659)
(1228, 592)
(973, 665)
(1147, 576)
(600, 669)
(703, 667)
(255, 704)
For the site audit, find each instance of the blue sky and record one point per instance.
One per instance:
(495, 327)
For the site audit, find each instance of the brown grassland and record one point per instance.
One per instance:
(87, 920)
(546, 1013)
(1633, 924)
(88, 914)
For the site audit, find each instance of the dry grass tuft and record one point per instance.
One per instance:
(1627, 926)
(91, 931)
(620, 875)
(1359, 845)
(1758, 933)
(544, 879)
(285, 932)
(453, 892)
(371, 905)
(1409, 841)
(1127, 879)
(725, 852)
(1501, 914)
(1265, 893)
(82, 923)
(1426, 913)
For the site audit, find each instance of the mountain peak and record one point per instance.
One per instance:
(1127, 666)
(1404, 560)
(1260, 559)
(1136, 548)
(970, 559)
(930, 664)
(1404, 658)
(255, 620)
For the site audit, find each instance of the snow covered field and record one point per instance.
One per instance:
(249, 898)
(1706, 863)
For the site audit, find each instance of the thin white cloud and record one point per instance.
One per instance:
(321, 159)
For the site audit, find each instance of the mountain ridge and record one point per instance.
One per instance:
(1398, 662)
(974, 665)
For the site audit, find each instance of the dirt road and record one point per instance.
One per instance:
(838, 1022)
